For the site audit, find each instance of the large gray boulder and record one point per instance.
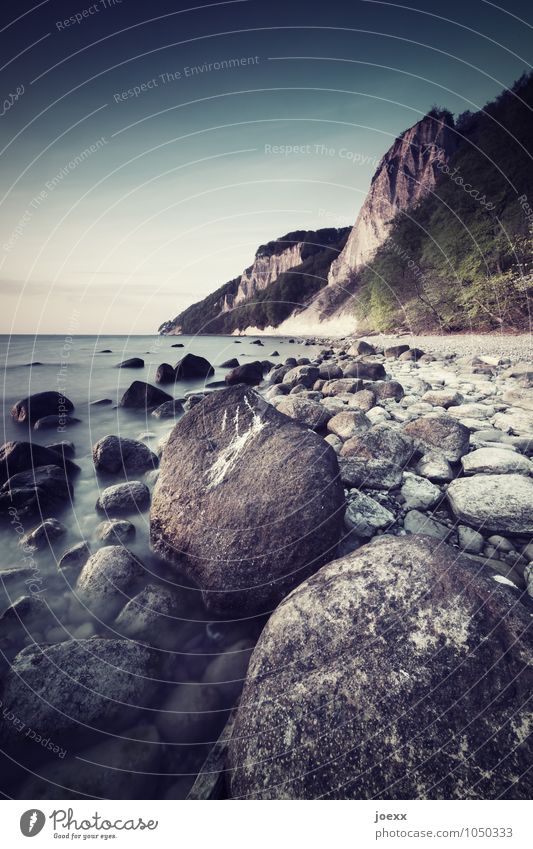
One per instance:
(397, 672)
(497, 503)
(248, 501)
(114, 454)
(191, 367)
(108, 580)
(496, 461)
(376, 458)
(440, 434)
(78, 685)
(249, 373)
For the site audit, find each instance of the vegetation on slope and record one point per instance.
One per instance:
(462, 258)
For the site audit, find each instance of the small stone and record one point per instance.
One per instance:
(43, 534)
(348, 424)
(115, 531)
(130, 497)
(419, 492)
(469, 539)
(416, 522)
(365, 516)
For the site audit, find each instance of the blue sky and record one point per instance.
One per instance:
(148, 150)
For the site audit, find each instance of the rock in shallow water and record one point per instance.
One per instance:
(143, 396)
(114, 454)
(39, 405)
(35, 491)
(248, 501)
(130, 497)
(108, 580)
(496, 503)
(78, 685)
(367, 678)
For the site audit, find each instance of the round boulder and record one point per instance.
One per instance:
(133, 362)
(191, 367)
(130, 497)
(397, 672)
(165, 373)
(442, 434)
(78, 685)
(270, 489)
(41, 404)
(249, 373)
(309, 413)
(107, 580)
(117, 454)
(143, 396)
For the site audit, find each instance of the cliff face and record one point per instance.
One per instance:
(284, 277)
(265, 269)
(305, 282)
(406, 174)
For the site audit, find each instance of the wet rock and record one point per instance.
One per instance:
(58, 422)
(376, 459)
(191, 714)
(168, 410)
(132, 362)
(35, 491)
(117, 454)
(44, 534)
(101, 402)
(249, 373)
(107, 581)
(496, 503)
(271, 489)
(18, 457)
(165, 373)
(496, 461)
(75, 557)
(231, 363)
(115, 531)
(143, 396)
(365, 516)
(416, 522)
(309, 413)
(41, 404)
(76, 685)
(191, 367)
(391, 649)
(347, 424)
(154, 615)
(119, 768)
(130, 497)
(441, 434)
(419, 493)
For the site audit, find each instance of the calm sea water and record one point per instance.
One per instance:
(76, 367)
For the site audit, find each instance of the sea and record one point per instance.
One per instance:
(77, 367)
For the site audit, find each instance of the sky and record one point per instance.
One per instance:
(148, 149)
